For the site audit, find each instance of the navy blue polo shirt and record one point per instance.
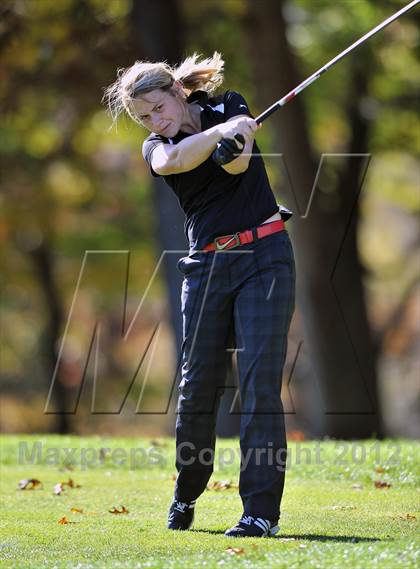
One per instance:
(214, 202)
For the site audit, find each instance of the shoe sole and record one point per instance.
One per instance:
(271, 533)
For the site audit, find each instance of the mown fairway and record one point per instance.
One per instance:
(333, 515)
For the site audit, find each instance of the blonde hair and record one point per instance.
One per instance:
(145, 76)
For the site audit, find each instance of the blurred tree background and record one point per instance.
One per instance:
(71, 185)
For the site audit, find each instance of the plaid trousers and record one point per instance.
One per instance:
(248, 294)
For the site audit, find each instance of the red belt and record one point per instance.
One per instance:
(244, 237)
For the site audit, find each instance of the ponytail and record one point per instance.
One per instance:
(205, 75)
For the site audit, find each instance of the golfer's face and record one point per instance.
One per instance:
(160, 112)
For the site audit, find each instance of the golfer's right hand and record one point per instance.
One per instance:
(235, 135)
(242, 125)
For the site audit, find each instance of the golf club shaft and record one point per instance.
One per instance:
(292, 94)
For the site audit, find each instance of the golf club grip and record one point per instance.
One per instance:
(221, 158)
(223, 155)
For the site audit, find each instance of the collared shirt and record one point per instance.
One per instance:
(215, 202)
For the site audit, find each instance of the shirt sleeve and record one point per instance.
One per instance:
(235, 105)
(151, 142)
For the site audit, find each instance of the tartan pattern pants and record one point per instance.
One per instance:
(248, 294)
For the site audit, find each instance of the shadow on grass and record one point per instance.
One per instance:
(305, 536)
(209, 531)
(337, 538)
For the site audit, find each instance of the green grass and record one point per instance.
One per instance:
(332, 514)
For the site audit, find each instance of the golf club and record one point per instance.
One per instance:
(223, 153)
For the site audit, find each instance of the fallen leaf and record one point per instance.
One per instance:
(59, 487)
(117, 511)
(157, 443)
(340, 508)
(29, 484)
(296, 436)
(379, 470)
(71, 484)
(380, 484)
(81, 511)
(235, 550)
(221, 485)
(63, 521)
(408, 517)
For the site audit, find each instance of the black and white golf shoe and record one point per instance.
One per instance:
(248, 526)
(181, 515)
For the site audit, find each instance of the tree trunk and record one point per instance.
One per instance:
(329, 277)
(41, 257)
(155, 28)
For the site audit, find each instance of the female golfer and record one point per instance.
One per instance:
(239, 278)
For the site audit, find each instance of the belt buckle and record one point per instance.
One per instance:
(221, 246)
